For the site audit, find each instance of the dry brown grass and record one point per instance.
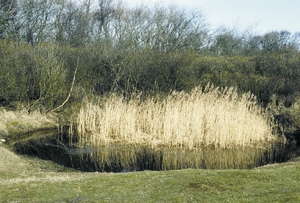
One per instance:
(20, 121)
(215, 116)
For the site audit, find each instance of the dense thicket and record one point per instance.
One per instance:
(120, 49)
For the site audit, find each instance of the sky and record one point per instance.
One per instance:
(260, 15)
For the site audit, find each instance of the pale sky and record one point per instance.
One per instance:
(263, 15)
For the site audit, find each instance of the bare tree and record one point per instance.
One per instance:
(73, 23)
(8, 12)
(228, 41)
(163, 29)
(35, 18)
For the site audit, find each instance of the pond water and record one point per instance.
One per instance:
(61, 148)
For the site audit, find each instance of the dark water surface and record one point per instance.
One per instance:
(61, 148)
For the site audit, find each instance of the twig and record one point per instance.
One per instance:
(71, 89)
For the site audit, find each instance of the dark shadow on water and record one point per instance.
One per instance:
(63, 149)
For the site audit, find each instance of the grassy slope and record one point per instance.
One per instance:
(18, 122)
(30, 180)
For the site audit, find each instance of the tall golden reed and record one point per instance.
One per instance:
(215, 116)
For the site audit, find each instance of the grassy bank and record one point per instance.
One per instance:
(32, 180)
(17, 122)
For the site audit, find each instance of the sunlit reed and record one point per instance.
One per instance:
(219, 117)
(210, 128)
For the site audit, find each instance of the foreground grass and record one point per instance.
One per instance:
(25, 179)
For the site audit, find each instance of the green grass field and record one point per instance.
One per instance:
(25, 179)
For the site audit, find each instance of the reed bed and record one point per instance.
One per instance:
(212, 128)
(213, 116)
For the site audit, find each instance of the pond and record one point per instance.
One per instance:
(62, 147)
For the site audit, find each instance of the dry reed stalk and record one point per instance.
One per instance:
(192, 120)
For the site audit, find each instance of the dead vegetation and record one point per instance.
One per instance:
(214, 128)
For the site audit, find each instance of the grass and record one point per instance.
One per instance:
(24, 179)
(18, 122)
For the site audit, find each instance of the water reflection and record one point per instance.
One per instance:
(64, 149)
